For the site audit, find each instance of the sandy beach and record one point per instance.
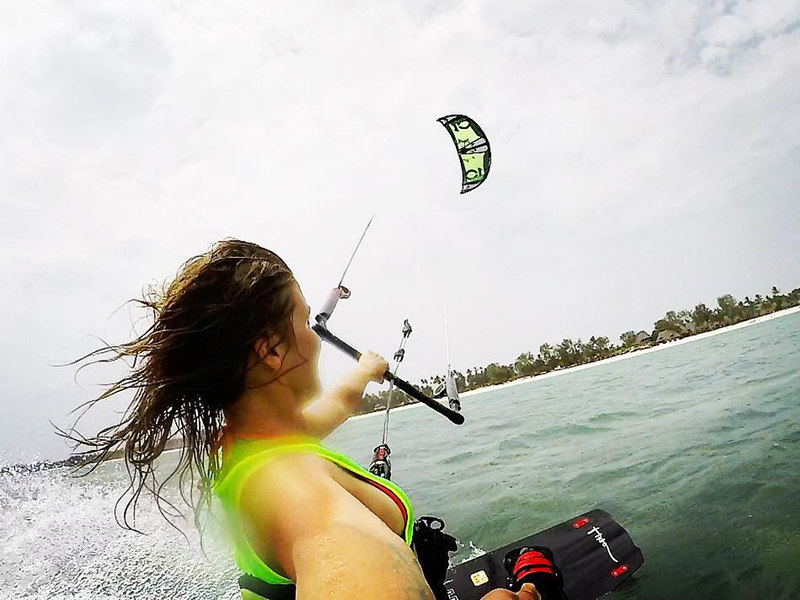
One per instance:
(672, 344)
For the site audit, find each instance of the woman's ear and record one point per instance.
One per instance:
(271, 352)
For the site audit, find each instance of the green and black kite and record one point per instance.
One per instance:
(473, 150)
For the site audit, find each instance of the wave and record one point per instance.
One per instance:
(42, 465)
(613, 416)
(571, 429)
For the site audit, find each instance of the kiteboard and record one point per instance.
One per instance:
(592, 554)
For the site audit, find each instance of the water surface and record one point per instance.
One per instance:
(694, 449)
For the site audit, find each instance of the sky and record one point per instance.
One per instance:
(644, 159)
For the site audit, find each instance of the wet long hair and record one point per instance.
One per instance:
(187, 368)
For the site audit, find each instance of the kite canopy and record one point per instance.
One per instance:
(473, 149)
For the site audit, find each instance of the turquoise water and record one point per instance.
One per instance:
(694, 449)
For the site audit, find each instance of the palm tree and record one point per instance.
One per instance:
(727, 308)
(547, 355)
(628, 340)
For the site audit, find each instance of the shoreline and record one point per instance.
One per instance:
(522, 380)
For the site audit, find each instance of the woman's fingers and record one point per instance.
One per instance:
(375, 366)
(528, 592)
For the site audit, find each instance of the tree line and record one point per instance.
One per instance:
(569, 353)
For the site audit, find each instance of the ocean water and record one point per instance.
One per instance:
(695, 449)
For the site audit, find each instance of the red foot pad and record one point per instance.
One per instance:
(532, 561)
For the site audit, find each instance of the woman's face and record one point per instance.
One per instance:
(301, 363)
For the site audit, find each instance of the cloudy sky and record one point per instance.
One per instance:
(644, 159)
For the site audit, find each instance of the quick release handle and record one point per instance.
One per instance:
(400, 384)
(338, 293)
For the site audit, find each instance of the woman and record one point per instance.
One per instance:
(230, 366)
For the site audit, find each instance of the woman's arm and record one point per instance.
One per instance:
(303, 523)
(335, 406)
(307, 526)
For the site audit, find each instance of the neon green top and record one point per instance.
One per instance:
(246, 456)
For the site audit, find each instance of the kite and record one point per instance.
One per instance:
(473, 150)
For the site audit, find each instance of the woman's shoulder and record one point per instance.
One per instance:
(292, 462)
(278, 458)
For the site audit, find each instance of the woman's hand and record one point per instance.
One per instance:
(528, 592)
(373, 366)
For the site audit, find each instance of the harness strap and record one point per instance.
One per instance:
(261, 590)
